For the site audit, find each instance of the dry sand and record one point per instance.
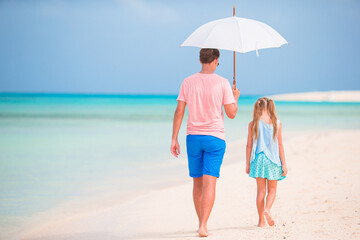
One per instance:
(330, 96)
(320, 199)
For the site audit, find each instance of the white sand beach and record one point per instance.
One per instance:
(320, 199)
(329, 96)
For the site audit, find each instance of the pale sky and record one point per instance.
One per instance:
(132, 46)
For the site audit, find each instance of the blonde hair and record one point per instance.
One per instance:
(261, 105)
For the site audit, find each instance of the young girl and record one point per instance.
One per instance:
(265, 157)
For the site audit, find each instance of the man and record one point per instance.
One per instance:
(204, 93)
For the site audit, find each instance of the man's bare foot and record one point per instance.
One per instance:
(262, 223)
(269, 219)
(203, 232)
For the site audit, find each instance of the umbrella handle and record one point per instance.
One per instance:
(234, 82)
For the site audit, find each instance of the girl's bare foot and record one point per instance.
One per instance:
(268, 217)
(203, 232)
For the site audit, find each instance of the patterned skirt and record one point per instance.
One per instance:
(262, 167)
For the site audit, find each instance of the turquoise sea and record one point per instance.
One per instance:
(56, 148)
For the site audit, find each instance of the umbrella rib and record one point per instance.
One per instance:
(269, 34)
(241, 42)
(209, 36)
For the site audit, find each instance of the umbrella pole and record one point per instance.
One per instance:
(234, 82)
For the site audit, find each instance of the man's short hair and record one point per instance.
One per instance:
(207, 55)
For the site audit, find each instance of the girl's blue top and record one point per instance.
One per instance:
(266, 143)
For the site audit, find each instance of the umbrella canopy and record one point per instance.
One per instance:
(235, 34)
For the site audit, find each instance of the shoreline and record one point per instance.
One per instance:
(300, 212)
(112, 199)
(324, 96)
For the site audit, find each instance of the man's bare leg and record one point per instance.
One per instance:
(260, 200)
(208, 198)
(272, 186)
(197, 195)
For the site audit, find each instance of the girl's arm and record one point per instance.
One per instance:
(249, 146)
(281, 151)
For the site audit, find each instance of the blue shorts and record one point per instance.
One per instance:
(205, 155)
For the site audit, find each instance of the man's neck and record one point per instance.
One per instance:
(206, 68)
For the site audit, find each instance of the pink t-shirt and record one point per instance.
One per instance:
(205, 94)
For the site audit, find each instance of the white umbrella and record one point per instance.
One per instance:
(235, 34)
